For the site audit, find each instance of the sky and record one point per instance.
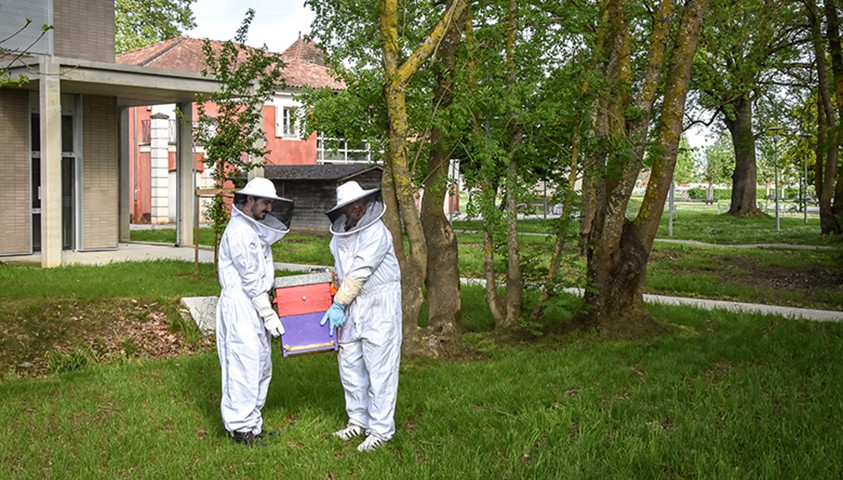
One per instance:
(277, 23)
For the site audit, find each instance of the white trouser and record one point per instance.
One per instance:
(245, 355)
(369, 359)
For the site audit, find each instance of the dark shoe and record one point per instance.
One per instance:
(247, 438)
(267, 433)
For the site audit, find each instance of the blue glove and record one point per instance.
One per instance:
(336, 314)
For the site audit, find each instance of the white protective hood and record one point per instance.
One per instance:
(375, 209)
(270, 229)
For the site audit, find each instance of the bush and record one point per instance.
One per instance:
(721, 194)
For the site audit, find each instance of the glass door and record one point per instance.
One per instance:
(68, 183)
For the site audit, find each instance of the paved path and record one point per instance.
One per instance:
(791, 312)
(141, 252)
(782, 246)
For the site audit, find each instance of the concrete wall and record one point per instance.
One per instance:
(84, 29)
(15, 163)
(100, 173)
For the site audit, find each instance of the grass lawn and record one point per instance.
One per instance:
(725, 396)
(780, 276)
(100, 377)
(702, 226)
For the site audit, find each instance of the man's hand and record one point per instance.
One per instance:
(270, 318)
(274, 326)
(336, 315)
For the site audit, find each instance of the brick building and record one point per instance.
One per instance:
(64, 131)
(151, 128)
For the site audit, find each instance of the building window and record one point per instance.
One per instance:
(285, 122)
(337, 150)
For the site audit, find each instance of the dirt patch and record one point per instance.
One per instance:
(803, 286)
(62, 335)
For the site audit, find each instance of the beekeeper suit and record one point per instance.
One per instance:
(368, 307)
(245, 317)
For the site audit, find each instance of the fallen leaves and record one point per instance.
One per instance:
(109, 329)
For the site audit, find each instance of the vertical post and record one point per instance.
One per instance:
(545, 199)
(776, 178)
(805, 190)
(51, 191)
(124, 191)
(670, 210)
(196, 232)
(185, 177)
(775, 129)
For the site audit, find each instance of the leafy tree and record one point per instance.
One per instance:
(617, 249)
(828, 176)
(379, 50)
(741, 46)
(716, 164)
(443, 287)
(139, 23)
(399, 188)
(684, 171)
(247, 77)
(525, 98)
(10, 56)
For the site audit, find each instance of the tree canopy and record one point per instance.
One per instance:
(139, 23)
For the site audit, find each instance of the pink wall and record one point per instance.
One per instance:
(283, 151)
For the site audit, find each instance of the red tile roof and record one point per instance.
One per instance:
(304, 64)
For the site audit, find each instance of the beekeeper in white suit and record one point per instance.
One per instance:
(368, 308)
(245, 317)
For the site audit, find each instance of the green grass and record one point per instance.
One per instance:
(729, 230)
(692, 222)
(65, 318)
(154, 280)
(726, 396)
(294, 248)
(788, 277)
(303, 249)
(168, 235)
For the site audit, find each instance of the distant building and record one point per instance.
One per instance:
(152, 143)
(314, 188)
(65, 161)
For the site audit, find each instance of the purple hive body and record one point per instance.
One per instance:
(305, 335)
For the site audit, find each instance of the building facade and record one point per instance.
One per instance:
(64, 128)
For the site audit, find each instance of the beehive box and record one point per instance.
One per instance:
(301, 302)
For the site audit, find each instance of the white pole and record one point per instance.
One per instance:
(776, 189)
(805, 190)
(670, 211)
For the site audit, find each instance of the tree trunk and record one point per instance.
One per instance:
(514, 280)
(398, 187)
(562, 224)
(443, 276)
(618, 250)
(495, 306)
(617, 271)
(834, 172)
(827, 125)
(745, 176)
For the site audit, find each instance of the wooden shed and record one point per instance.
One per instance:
(313, 189)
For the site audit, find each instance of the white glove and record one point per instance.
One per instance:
(274, 326)
(270, 318)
